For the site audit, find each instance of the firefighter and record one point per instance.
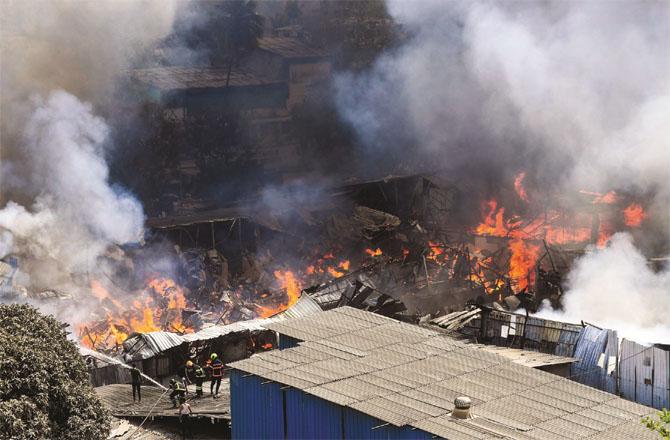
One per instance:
(136, 381)
(195, 374)
(178, 391)
(215, 365)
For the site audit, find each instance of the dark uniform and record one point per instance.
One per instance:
(178, 392)
(198, 378)
(216, 367)
(135, 381)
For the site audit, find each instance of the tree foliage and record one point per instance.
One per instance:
(662, 425)
(44, 386)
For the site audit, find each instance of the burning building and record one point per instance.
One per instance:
(208, 196)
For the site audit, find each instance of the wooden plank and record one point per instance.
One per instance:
(118, 399)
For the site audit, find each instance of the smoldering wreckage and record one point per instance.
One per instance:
(388, 247)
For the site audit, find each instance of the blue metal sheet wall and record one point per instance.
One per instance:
(309, 417)
(590, 345)
(256, 409)
(287, 342)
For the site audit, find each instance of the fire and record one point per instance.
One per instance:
(436, 250)
(494, 221)
(334, 272)
(155, 308)
(634, 214)
(290, 284)
(522, 262)
(374, 253)
(518, 186)
(602, 199)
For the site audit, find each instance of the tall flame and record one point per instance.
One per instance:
(522, 262)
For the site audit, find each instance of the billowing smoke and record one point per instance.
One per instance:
(60, 213)
(576, 94)
(76, 214)
(615, 288)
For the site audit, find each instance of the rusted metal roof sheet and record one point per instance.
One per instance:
(184, 78)
(289, 48)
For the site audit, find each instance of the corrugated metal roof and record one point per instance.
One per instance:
(146, 345)
(182, 78)
(289, 48)
(417, 387)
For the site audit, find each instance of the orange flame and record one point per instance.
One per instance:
(606, 199)
(141, 315)
(518, 186)
(374, 253)
(334, 272)
(494, 221)
(522, 262)
(291, 285)
(435, 250)
(634, 214)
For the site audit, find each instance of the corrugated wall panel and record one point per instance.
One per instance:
(636, 378)
(309, 417)
(287, 342)
(256, 409)
(590, 346)
(644, 374)
(567, 341)
(627, 384)
(609, 363)
(661, 379)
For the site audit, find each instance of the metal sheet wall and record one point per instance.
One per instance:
(287, 342)
(567, 340)
(256, 409)
(632, 372)
(661, 397)
(309, 417)
(645, 374)
(590, 346)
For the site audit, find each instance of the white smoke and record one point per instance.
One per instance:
(615, 288)
(76, 214)
(576, 94)
(575, 91)
(61, 66)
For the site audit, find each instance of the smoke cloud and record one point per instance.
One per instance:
(571, 92)
(61, 62)
(614, 288)
(76, 214)
(576, 94)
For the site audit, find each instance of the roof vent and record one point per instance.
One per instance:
(462, 408)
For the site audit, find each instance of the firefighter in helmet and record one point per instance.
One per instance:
(195, 374)
(178, 391)
(215, 366)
